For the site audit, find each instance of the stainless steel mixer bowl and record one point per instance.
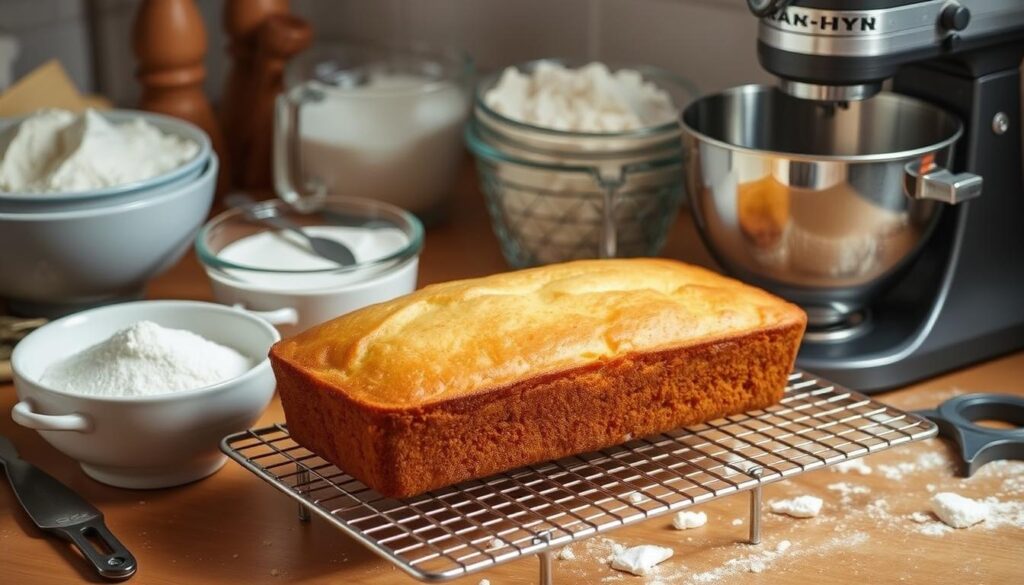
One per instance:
(808, 199)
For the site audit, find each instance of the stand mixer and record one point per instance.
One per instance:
(929, 275)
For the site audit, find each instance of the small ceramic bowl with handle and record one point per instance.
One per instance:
(150, 441)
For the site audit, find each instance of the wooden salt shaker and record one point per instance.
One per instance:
(169, 41)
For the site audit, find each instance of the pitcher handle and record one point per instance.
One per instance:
(288, 180)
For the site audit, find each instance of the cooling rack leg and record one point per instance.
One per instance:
(755, 509)
(302, 484)
(545, 558)
(545, 568)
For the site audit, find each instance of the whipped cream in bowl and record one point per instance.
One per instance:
(58, 155)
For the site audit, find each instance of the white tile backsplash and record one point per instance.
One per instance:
(711, 42)
(498, 32)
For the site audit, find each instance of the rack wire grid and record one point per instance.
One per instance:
(465, 528)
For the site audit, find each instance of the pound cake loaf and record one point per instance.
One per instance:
(464, 379)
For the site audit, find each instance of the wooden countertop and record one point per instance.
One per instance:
(231, 527)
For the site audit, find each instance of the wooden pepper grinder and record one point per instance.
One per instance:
(264, 37)
(169, 41)
(242, 22)
(280, 38)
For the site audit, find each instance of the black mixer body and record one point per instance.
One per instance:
(962, 299)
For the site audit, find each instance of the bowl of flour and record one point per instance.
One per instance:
(140, 394)
(58, 158)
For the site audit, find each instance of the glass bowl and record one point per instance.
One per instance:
(252, 264)
(555, 196)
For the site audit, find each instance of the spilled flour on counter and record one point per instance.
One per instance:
(924, 462)
(847, 491)
(765, 559)
(851, 466)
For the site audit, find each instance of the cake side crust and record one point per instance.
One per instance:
(405, 452)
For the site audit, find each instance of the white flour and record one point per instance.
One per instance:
(958, 511)
(146, 359)
(588, 99)
(848, 490)
(924, 462)
(686, 519)
(57, 151)
(851, 466)
(639, 560)
(798, 507)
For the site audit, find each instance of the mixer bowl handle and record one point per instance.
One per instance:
(940, 184)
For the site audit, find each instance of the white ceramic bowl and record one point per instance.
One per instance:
(186, 173)
(296, 299)
(149, 441)
(52, 263)
(296, 311)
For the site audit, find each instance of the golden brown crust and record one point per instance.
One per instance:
(401, 452)
(475, 336)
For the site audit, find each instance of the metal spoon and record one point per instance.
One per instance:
(330, 249)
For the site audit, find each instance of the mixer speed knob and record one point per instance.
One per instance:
(955, 17)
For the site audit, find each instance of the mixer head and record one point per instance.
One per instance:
(843, 50)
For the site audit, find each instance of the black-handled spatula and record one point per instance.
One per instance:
(55, 508)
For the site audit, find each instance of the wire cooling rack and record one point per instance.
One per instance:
(454, 531)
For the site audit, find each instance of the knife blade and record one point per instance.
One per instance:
(55, 508)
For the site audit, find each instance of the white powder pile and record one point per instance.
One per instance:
(589, 99)
(59, 151)
(566, 554)
(958, 511)
(685, 520)
(851, 466)
(637, 498)
(798, 507)
(640, 560)
(146, 359)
